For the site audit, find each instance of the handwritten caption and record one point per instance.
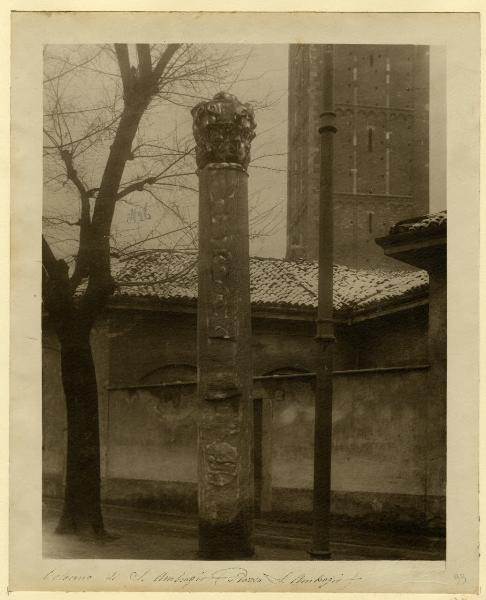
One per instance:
(185, 579)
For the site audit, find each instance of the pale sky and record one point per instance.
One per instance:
(259, 77)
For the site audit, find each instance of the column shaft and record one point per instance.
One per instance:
(224, 365)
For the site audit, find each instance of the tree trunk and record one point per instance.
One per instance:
(74, 320)
(82, 497)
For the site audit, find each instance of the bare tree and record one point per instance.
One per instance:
(99, 151)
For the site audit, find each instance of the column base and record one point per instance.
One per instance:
(320, 554)
(225, 541)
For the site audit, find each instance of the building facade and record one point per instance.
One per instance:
(388, 462)
(381, 149)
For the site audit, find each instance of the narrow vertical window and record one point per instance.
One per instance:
(372, 60)
(370, 222)
(370, 139)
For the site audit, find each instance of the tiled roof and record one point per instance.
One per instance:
(427, 224)
(168, 275)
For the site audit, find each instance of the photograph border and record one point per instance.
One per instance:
(462, 42)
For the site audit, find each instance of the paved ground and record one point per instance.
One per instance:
(145, 535)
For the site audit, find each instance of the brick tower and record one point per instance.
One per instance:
(381, 147)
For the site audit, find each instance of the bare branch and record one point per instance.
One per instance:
(49, 261)
(138, 186)
(119, 138)
(90, 134)
(125, 249)
(72, 174)
(59, 221)
(73, 67)
(124, 65)
(144, 60)
(267, 168)
(56, 291)
(164, 60)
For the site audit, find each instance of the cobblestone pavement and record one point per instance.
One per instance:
(144, 535)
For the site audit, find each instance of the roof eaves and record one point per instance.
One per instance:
(343, 315)
(385, 308)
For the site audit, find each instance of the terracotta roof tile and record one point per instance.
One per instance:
(425, 223)
(168, 275)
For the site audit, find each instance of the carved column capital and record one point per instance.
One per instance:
(223, 129)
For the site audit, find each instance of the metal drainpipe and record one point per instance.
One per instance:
(320, 549)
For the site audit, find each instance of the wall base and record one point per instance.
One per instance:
(398, 512)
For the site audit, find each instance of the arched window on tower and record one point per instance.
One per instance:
(370, 222)
(370, 139)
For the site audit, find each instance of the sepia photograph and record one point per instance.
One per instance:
(209, 214)
(243, 305)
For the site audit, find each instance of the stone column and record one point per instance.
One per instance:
(223, 129)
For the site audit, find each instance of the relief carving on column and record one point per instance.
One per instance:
(221, 458)
(221, 317)
(221, 374)
(223, 129)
